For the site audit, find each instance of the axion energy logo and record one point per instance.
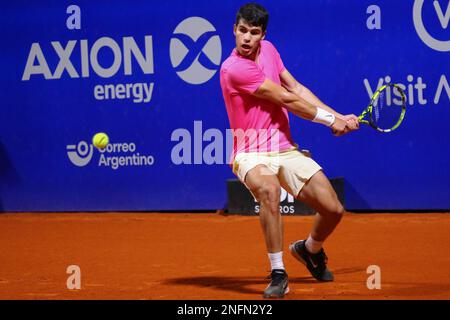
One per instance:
(86, 58)
(114, 156)
(195, 50)
(437, 20)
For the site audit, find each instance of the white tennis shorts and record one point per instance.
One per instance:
(292, 167)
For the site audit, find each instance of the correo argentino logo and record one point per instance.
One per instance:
(195, 50)
(115, 155)
(80, 154)
(425, 36)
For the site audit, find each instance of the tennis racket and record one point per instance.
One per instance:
(386, 109)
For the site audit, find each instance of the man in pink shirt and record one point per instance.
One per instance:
(259, 92)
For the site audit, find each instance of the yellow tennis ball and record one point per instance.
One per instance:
(100, 140)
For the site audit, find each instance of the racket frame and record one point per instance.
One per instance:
(369, 109)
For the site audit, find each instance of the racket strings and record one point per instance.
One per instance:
(378, 105)
(387, 108)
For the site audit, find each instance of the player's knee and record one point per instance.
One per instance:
(269, 192)
(339, 210)
(335, 210)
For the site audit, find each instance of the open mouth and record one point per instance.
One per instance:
(246, 47)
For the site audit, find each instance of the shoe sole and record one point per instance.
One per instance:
(286, 291)
(299, 258)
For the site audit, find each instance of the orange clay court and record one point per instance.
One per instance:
(215, 256)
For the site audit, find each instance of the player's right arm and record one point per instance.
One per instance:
(292, 85)
(277, 94)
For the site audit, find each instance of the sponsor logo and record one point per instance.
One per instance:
(443, 17)
(127, 57)
(195, 50)
(315, 265)
(417, 90)
(114, 156)
(80, 154)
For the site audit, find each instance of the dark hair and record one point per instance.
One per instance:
(254, 14)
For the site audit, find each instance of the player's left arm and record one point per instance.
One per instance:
(292, 85)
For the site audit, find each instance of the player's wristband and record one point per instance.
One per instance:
(324, 117)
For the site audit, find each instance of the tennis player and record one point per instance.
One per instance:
(259, 92)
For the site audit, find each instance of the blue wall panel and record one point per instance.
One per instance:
(326, 45)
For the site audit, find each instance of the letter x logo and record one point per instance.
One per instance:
(195, 50)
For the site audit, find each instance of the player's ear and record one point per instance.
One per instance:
(234, 29)
(263, 36)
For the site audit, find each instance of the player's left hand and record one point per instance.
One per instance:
(352, 121)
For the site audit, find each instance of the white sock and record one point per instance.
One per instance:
(312, 245)
(276, 260)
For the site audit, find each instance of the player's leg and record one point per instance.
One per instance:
(319, 195)
(302, 177)
(264, 185)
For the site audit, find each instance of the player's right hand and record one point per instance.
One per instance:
(352, 121)
(339, 127)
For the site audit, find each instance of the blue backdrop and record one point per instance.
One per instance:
(146, 73)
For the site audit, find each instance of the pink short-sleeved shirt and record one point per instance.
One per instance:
(258, 125)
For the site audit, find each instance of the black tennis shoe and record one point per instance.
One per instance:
(316, 263)
(278, 287)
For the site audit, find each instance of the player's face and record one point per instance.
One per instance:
(248, 38)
